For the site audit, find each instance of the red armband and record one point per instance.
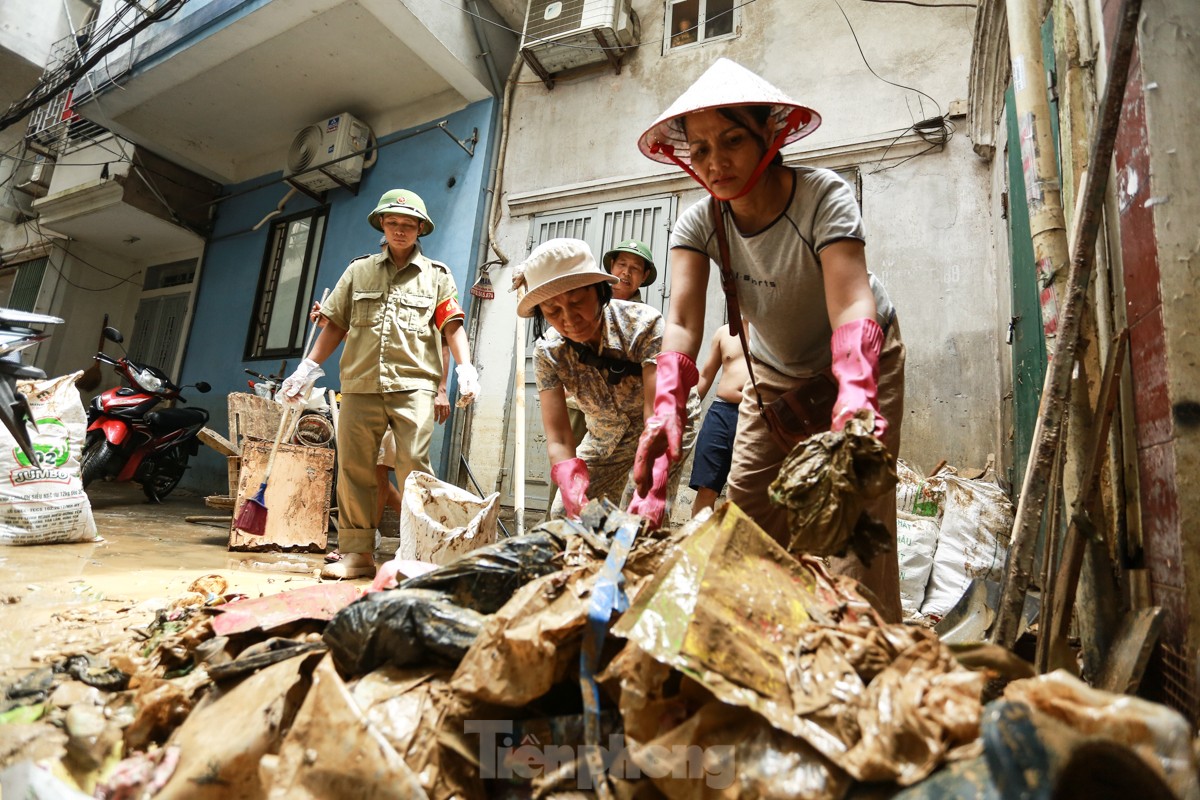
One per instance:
(447, 310)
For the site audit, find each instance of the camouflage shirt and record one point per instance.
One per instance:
(630, 331)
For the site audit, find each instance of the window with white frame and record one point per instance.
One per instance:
(695, 21)
(286, 286)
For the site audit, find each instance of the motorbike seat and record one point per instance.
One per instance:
(171, 419)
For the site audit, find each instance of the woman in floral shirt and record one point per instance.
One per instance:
(600, 350)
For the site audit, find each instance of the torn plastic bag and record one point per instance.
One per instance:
(826, 484)
(223, 739)
(691, 746)
(1158, 734)
(400, 627)
(485, 578)
(422, 719)
(530, 644)
(1033, 755)
(882, 702)
(333, 751)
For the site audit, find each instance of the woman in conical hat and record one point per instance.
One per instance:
(797, 251)
(600, 350)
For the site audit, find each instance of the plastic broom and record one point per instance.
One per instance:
(252, 519)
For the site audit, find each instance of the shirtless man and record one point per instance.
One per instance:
(714, 447)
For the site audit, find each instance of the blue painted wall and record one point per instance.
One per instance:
(424, 163)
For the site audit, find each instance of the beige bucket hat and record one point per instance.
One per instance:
(725, 83)
(557, 266)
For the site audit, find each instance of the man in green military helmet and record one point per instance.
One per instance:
(633, 265)
(393, 309)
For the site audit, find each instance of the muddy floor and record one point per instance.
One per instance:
(75, 597)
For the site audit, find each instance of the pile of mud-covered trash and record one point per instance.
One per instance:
(590, 657)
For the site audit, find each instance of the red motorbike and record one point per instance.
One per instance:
(129, 438)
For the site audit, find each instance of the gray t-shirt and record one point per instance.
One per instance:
(778, 270)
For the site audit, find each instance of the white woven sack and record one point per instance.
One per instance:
(440, 522)
(916, 542)
(972, 540)
(44, 502)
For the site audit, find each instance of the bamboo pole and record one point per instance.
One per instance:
(519, 411)
(1043, 186)
(1058, 376)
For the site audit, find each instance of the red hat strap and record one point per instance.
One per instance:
(795, 120)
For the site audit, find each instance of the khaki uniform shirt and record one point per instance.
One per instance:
(393, 316)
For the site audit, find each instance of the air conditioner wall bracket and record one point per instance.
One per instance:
(474, 140)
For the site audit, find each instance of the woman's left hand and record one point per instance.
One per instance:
(441, 406)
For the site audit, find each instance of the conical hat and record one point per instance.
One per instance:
(725, 83)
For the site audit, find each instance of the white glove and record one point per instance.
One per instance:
(295, 387)
(468, 384)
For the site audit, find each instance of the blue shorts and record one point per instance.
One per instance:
(714, 447)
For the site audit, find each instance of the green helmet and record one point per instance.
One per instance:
(638, 249)
(401, 201)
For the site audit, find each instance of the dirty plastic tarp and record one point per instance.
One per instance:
(486, 578)
(225, 737)
(680, 738)
(1158, 734)
(972, 539)
(332, 750)
(883, 702)
(530, 644)
(319, 602)
(435, 617)
(826, 484)
(440, 521)
(419, 715)
(401, 627)
(44, 503)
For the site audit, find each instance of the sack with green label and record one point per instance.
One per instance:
(44, 502)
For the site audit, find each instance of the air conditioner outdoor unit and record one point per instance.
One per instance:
(563, 34)
(317, 158)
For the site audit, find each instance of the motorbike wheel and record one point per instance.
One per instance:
(97, 455)
(168, 471)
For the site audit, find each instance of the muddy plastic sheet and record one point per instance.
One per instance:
(531, 643)
(333, 751)
(401, 627)
(418, 714)
(826, 484)
(319, 602)
(1156, 733)
(883, 703)
(226, 736)
(692, 746)
(485, 578)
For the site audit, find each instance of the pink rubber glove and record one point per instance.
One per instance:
(571, 477)
(856, 347)
(675, 377)
(654, 504)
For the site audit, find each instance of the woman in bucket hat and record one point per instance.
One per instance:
(600, 350)
(796, 246)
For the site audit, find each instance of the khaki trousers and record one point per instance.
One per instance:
(756, 462)
(362, 421)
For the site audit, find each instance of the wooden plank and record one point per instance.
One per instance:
(252, 416)
(220, 501)
(297, 497)
(1126, 661)
(233, 469)
(217, 442)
